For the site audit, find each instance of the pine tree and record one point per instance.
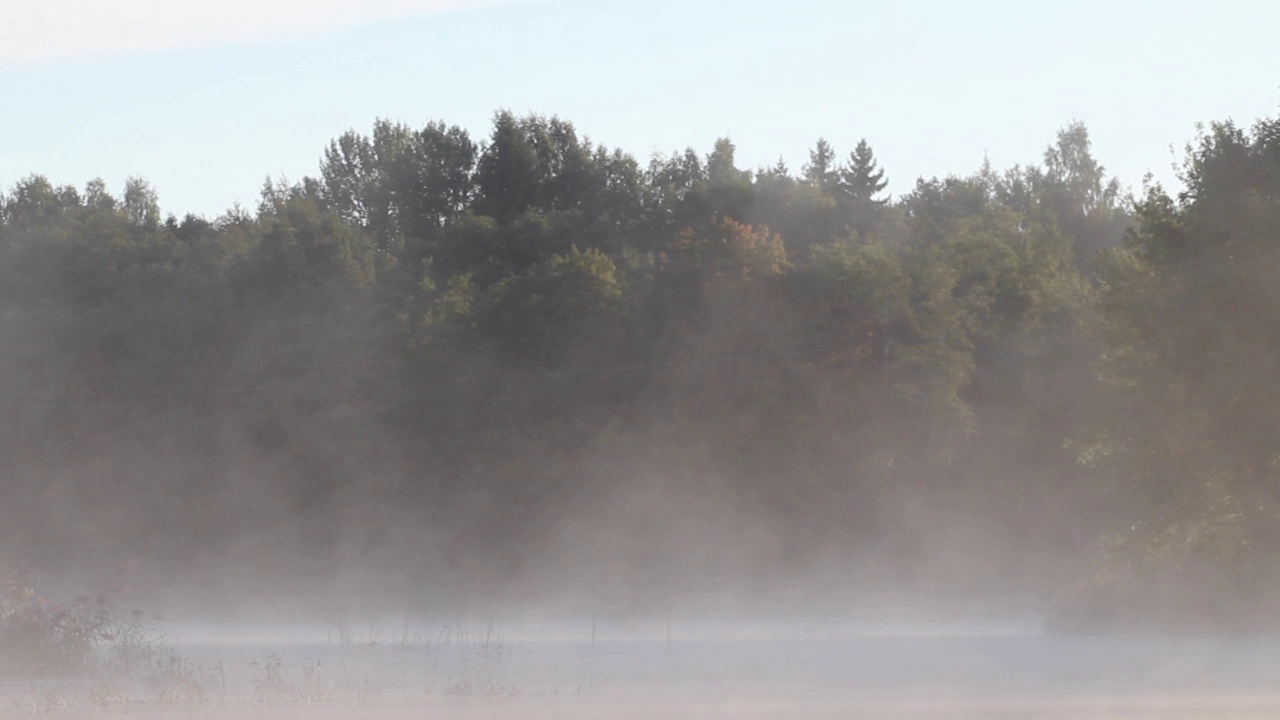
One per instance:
(861, 178)
(821, 171)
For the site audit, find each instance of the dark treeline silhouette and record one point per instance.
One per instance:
(531, 366)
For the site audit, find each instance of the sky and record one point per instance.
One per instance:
(206, 100)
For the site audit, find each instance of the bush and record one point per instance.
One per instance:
(42, 638)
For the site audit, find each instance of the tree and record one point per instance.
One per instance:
(507, 176)
(860, 181)
(674, 203)
(304, 248)
(141, 204)
(861, 178)
(442, 160)
(368, 181)
(730, 249)
(436, 332)
(1189, 364)
(821, 171)
(1071, 167)
(550, 312)
(1075, 188)
(726, 190)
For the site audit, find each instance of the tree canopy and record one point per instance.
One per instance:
(443, 348)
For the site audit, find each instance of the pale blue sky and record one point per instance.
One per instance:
(932, 85)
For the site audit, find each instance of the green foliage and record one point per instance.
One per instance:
(548, 312)
(471, 316)
(730, 249)
(1188, 363)
(303, 247)
(821, 172)
(861, 178)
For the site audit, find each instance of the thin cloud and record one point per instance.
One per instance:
(41, 31)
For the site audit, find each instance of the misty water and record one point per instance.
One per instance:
(686, 667)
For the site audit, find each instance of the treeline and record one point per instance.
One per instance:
(533, 364)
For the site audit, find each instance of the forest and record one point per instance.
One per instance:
(457, 369)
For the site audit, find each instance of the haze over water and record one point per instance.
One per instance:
(546, 359)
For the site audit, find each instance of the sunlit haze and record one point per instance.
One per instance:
(629, 359)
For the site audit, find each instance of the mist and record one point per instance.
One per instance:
(530, 382)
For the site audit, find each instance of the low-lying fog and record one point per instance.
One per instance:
(524, 426)
(674, 667)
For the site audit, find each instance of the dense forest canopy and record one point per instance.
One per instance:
(456, 369)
